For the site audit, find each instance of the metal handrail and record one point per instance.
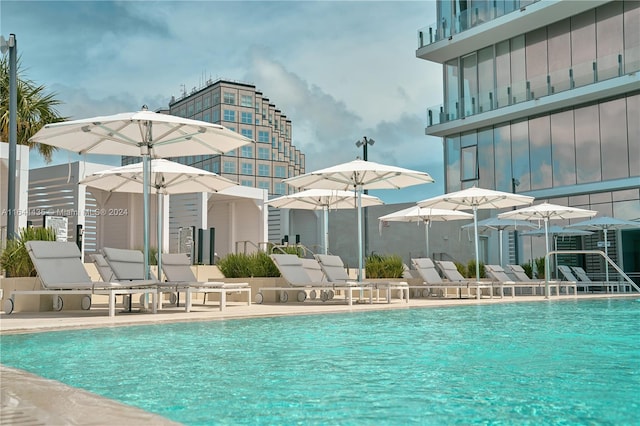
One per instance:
(596, 252)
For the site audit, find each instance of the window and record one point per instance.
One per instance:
(469, 157)
(229, 98)
(263, 153)
(190, 109)
(198, 105)
(247, 151)
(207, 101)
(281, 172)
(216, 98)
(247, 168)
(246, 182)
(279, 188)
(246, 117)
(229, 115)
(263, 136)
(216, 115)
(246, 100)
(229, 167)
(248, 133)
(264, 170)
(263, 185)
(215, 168)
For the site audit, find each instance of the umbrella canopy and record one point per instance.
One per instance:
(360, 175)
(605, 224)
(547, 211)
(323, 199)
(497, 224)
(167, 177)
(477, 198)
(141, 133)
(426, 215)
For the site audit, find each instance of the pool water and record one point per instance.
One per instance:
(557, 362)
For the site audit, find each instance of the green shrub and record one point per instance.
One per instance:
(248, 265)
(540, 267)
(14, 258)
(471, 269)
(461, 268)
(528, 269)
(379, 266)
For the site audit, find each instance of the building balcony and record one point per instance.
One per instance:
(475, 28)
(588, 82)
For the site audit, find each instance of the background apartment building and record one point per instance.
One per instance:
(543, 98)
(263, 165)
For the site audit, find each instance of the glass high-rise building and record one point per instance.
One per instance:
(543, 98)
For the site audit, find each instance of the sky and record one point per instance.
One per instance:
(340, 70)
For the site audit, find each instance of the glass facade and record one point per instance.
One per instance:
(553, 112)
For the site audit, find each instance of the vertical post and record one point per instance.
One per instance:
(212, 246)
(13, 134)
(515, 182)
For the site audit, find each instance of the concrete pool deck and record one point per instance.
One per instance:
(26, 399)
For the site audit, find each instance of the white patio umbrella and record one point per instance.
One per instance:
(605, 224)
(555, 231)
(323, 199)
(144, 134)
(476, 198)
(167, 177)
(497, 224)
(547, 211)
(425, 215)
(359, 175)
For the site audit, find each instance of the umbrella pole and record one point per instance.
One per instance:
(475, 231)
(326, 229)
(359, 195)
(146, 172)
(500, 236)
(546, 260)
(606, 252)
(426, 234)
(160, 224)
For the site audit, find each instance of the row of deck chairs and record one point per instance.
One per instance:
(321, 277)
(520, 283)
(61, 272)
(435, 284)
(583, 282)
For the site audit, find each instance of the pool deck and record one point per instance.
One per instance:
(26, 399)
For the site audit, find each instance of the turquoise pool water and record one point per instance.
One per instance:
(553, 362)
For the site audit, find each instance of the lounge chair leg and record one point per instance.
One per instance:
(112, 304)
(187, 303)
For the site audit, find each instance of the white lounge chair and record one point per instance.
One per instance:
(450, 271)
(61, 272)
(432, 280)
(296, 272)
(585, 281)
(177, 270)
(335, 271)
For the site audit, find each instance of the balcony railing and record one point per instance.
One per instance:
(579, 75)
(466, 20)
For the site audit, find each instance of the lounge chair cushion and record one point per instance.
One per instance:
(177, 268)
(103, 267)
(58, 264)
(427, 270)
(292, 269)
(333, 268)
(127, 265)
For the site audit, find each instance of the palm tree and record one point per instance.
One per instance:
(35, 109)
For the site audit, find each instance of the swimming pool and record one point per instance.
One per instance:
(559, 362)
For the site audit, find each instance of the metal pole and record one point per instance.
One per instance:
(514, 183)
(365, 219)
(13, 136)
(475, 231)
